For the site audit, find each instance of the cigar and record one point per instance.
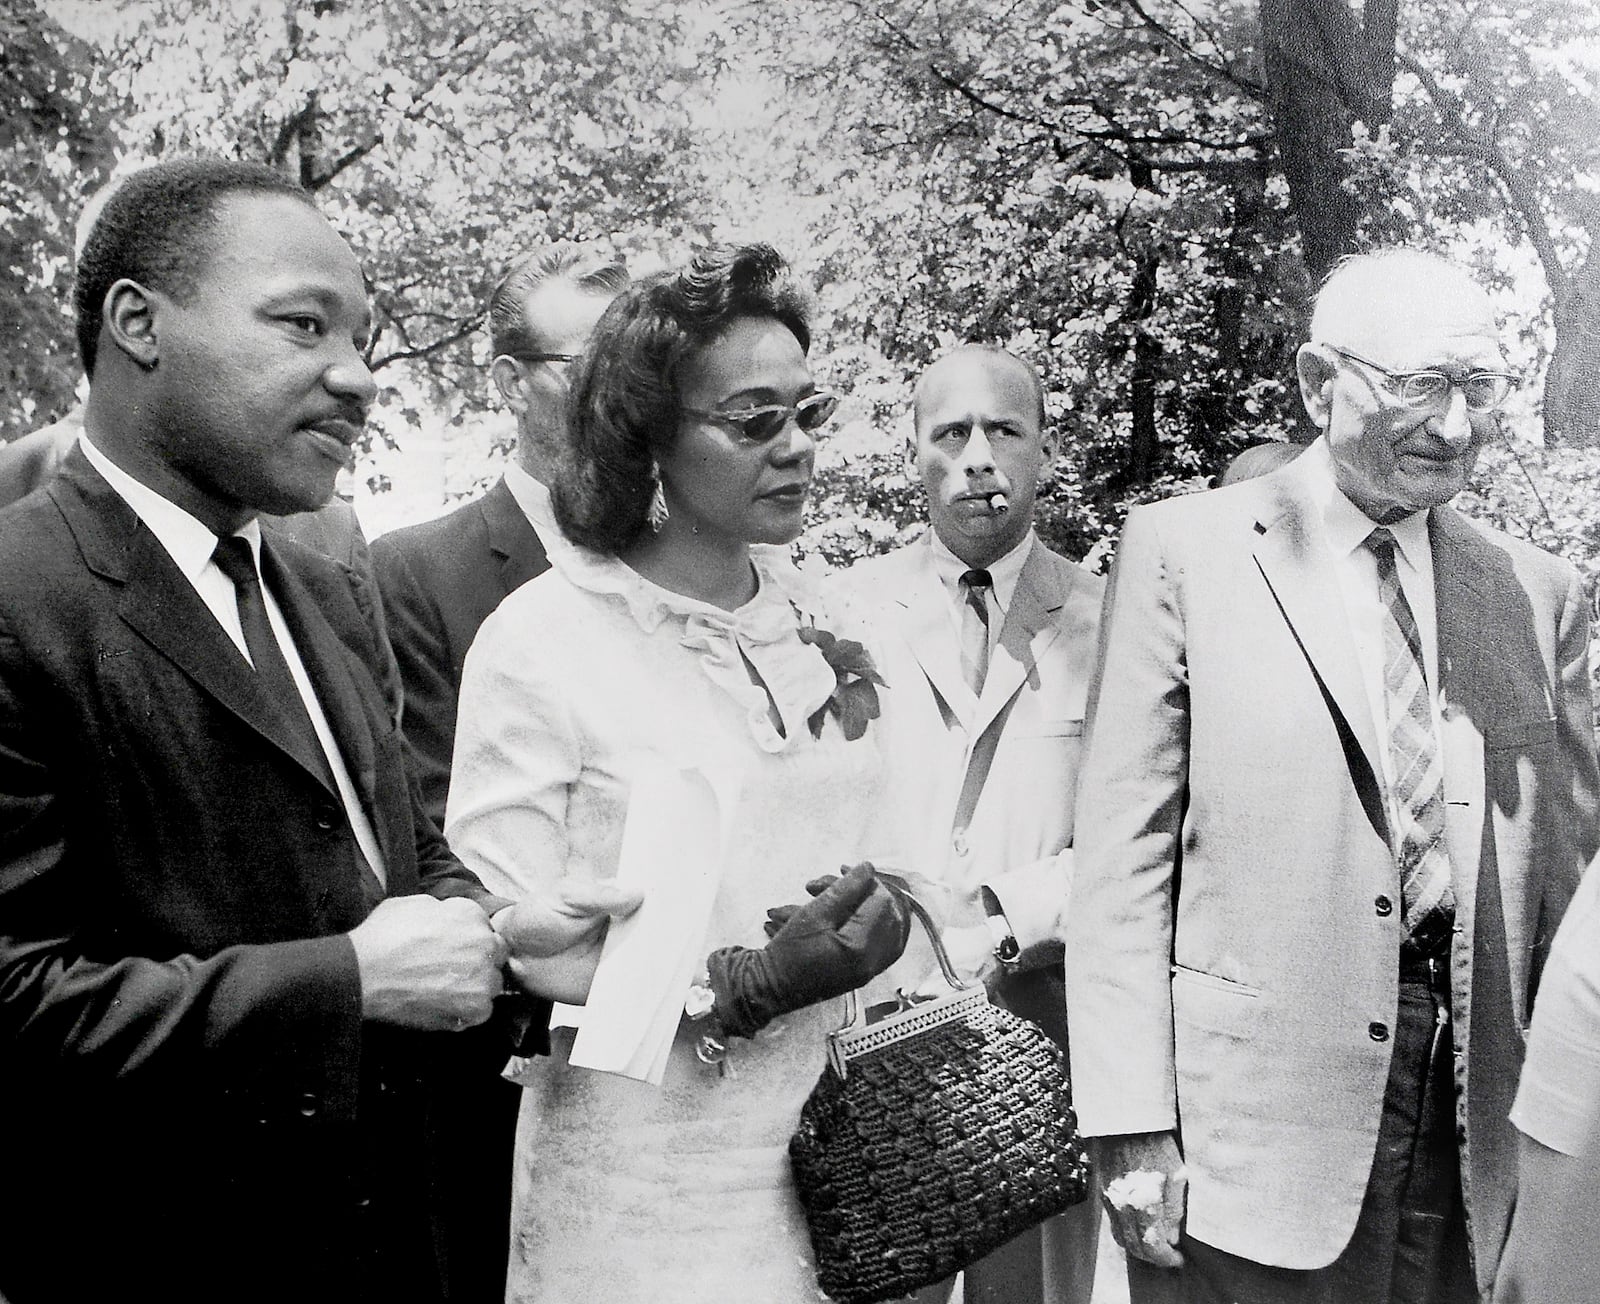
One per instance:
(998, 504)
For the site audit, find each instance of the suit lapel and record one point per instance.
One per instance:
(1464, 608)
(512, 538)
(324, 658)
(1298, 569)
(925, 626)
(1027, 633)
(163, 608)
(158, 603)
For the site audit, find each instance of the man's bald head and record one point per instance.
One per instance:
(978, 357)
(1376, 302)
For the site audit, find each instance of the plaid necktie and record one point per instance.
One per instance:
(975, 586)
(1428, 901)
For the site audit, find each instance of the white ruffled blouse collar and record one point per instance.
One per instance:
(764, 632)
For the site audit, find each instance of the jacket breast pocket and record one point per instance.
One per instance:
(1048, 751)
(1061, 728)
(1539, 731)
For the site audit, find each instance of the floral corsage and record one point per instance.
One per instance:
(854, 700)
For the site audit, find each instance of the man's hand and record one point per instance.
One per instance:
(428, 964)
(1145, 1190)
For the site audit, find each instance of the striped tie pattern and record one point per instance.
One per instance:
(1428, 902)
(975, 585)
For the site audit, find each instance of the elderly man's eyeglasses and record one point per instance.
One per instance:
(760, 424)
(547, 357)
(1484, 391)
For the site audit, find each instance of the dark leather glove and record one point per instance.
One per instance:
(778, 916)
(854, 930)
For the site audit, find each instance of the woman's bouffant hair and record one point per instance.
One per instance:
(626, 404)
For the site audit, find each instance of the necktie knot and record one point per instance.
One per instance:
(976, 579)
(235, 560)
(1381, 542)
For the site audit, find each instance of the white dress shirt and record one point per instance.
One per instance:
(1345, 529)
(1004, 573)
(191, 544)
(533, 496)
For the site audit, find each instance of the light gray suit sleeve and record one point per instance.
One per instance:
(1129, 818)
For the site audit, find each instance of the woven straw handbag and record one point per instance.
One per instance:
(933, 1137)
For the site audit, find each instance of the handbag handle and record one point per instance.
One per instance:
(854, 1013)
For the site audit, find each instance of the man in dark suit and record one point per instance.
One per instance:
(235, 956)
(1338, 788)
(442, 578)
(439, 581)
(332, 529)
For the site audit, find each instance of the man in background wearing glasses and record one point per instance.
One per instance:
(1338, 788)
(439, 581)
(442, 578)
(986, 639)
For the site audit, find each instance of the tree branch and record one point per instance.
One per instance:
(468, 327)
(1524, 197)
(1227, 74)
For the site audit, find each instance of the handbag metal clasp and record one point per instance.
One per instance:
(857, 1037)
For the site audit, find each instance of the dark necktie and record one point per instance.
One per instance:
(235, 560)
(975, 585)
(1428, 900)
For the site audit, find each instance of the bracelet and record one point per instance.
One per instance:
(700, 1006)
(701, 1002)
(1006, 949)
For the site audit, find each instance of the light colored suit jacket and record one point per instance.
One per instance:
(1231, 969)
(1033, 695)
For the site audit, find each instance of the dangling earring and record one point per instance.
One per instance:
(656, 514)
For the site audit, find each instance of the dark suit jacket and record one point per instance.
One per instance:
(194, 1107)
(440, 580)
(30, 460)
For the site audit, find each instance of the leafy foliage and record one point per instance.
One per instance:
(1088, 185)
(1097, 184)
(441, 136)
(53, 151)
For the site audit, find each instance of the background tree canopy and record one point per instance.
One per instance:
(1138, 195)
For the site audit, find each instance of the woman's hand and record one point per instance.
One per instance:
(555, 939)
(854, 930)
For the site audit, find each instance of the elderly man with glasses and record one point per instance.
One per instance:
(1338, 788)
(440, 580)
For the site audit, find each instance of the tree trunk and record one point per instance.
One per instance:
(1216, 403)
(1325, 71)
(1144, 450)
(1572, 383)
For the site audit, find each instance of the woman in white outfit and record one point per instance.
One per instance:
(678, 639)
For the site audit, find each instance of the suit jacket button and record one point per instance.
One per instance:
(1383, 906)
(326, 818)
(959, 844)
(1378, 1032)
(308, 1104)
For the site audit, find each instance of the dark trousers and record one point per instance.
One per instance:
(1410, 1240)
(475, 1134)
